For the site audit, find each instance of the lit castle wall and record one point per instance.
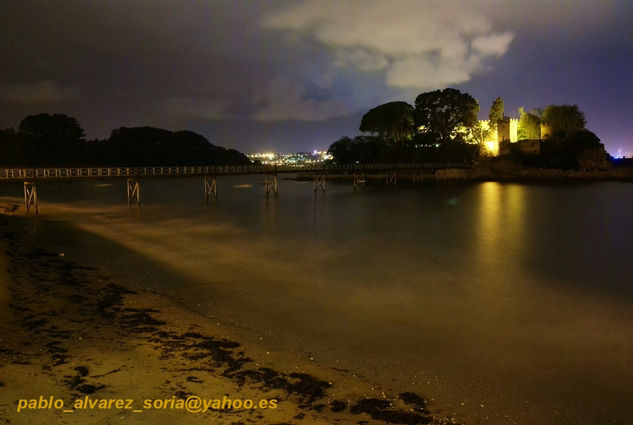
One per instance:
(506, 132)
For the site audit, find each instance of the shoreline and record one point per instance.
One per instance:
(492, 174)
(76, 332)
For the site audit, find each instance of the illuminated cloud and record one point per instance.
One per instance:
(39, 92)
(415, 44)
(493, 44)
(360, 58)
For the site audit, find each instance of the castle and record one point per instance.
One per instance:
(507, 131)
(497, 142)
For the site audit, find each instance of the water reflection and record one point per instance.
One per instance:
(501, 228)
(270, 214)
(489, 220)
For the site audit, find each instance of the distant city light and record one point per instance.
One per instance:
(294, 159)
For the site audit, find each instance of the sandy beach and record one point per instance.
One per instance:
(72, 333)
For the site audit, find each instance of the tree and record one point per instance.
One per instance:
(579, 149)
(392, 121)
(443, 113)
(372, 149)
(496, 111)
(480, 133)
(583, 139)
(11, 150)
(149, 145)
(54, 128)
(52, 139)
(529, 127)
(341, 151)
(563, 119)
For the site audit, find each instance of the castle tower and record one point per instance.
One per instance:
(503, 130)
(514, 130)
(507, 130)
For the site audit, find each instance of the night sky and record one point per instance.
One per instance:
(296, 75)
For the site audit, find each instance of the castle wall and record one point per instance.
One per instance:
(504, 147)
(546, 131)
(532, 147)
(503, 131)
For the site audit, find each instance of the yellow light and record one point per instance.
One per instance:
(492, 148)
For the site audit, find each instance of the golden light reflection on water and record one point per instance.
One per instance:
(489, 217)
(498, 279)
(501, 225)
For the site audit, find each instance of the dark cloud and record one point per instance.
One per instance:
(36, 93)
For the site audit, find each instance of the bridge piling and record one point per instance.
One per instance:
(319, 182)
(270, 180)
(30, 176)
(210, 188)
(391, 178)
(359, 180)
(30, 197)
(133, 192)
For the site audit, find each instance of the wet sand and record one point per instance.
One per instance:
(71, 331)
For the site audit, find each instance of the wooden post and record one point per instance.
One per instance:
(210, 188)
(359, 180)
(30, 196)
(270, 181)
(319, 182)
(133, 192)
(391, 178)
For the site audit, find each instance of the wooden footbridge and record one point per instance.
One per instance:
(210, 174)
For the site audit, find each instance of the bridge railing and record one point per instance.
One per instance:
(102, 172)
(83, 172)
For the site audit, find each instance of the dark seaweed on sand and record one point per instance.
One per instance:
(34, 270)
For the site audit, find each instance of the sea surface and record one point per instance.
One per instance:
(504, 303)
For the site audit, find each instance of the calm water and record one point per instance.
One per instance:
(515, 300)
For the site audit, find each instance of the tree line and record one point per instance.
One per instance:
(443, 126)
(58, 140)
